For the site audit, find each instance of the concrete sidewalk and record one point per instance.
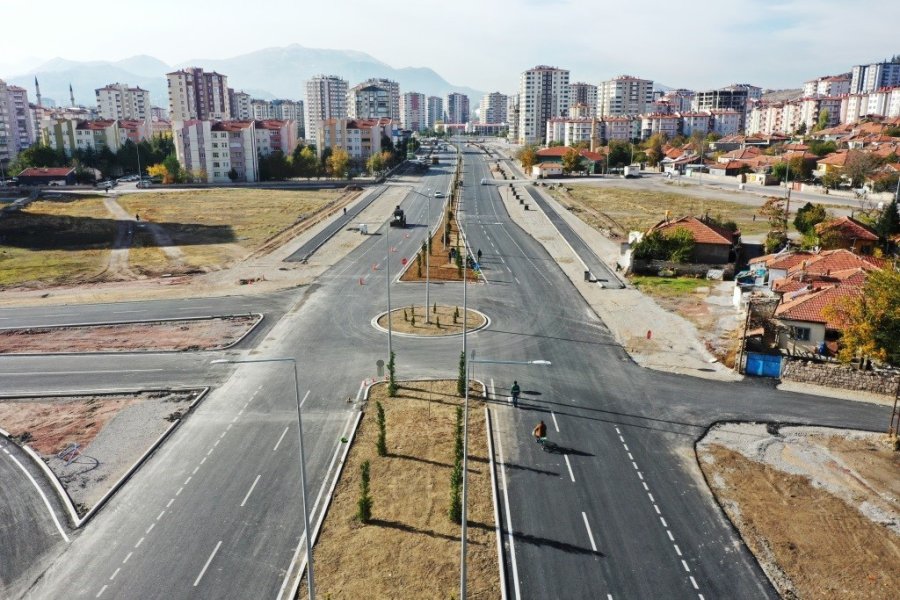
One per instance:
(652, 336)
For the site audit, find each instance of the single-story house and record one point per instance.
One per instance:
(847, 233)
(731, 169)
(712, 244)
(546, 169)
(591, 161)
(806, 324)
(47, 176)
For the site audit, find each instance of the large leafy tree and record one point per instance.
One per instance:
(808, 216)
(872, 319)
(888, 222)
(860, 166)
(338, 162)
(654, 148)
(38, 155)
(571, 160)
(528, 157)
(619, 154)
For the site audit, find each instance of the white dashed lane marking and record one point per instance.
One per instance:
(662, 519)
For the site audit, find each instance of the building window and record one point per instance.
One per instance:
(801, 334)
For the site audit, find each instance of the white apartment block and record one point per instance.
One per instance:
(665, 124)
(679, 100)
(260, 110)
(359, 137)
(832, 85)
(240, 105)
(512, 118)
(586, 94)
(870, 78)
(118, 101)
(458, 109)
(326, 98)
(17, 126)
(624, 129)
(435, 111)
(543, 95)
(214, 148)
(493, 108)
(570, 131)
(197, 94)
(699, 122)
(68, 134)
(727, 122)
(624, 95)
(374, 99)
(413, 112)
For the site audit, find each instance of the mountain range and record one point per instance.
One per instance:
(278, 72)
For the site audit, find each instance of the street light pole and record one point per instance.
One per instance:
(387, 271)
(310, 584)
(428, 259)
(465, 487)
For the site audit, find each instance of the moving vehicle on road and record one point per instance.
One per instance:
(398, 219)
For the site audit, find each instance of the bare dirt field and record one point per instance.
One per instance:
(92, 239)
(618, 210)
(402, 320)
(90, 441)
(819, 508)
(161, 336)
(410, 548)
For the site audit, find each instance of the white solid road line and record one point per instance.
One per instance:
(206, 566)
(125, 312)
(569, 465)
(588, 527)
(41, 492)
(250, 491)
(278, 443)
(83, 372)
(555, 424)
(509, 527)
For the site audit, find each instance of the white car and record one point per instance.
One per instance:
(439, 194)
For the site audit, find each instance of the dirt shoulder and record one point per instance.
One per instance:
(161, 336)
(90, 441)
(819, 508)
(410, 548)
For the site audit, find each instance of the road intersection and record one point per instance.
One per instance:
(620, 510)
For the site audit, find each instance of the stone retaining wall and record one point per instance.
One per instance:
(840, 377)
(653, 267)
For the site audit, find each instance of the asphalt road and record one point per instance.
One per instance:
(619, 510)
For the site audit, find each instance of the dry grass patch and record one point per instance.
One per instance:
(215, 226)
(630, 209)
(54, 242)
(410, 549)
(402, 320)
(813, 543)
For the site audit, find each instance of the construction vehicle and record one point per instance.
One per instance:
(399, 218)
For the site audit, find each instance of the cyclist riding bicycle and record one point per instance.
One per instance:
(514, 392)
(540, 432)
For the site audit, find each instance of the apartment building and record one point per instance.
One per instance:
(586, 94)
(679, 100)
(211, 149)
(197, 94)
(434, 111)
(831, 85)
(512, 117)
(413, 112)
(569, 131)
(17, 127)
(493, 108)
(359, 137)
(69, 135)
(869, 78)
(665, 124)
(624, 95)
(543, 95)
(734, 97)
(326, 98)
(727, 122)
(240, 105)
(696, 122)
(374, 99)
(624, 129)
(118, 101)
(458, 109)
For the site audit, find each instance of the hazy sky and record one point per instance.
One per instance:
(481, 43)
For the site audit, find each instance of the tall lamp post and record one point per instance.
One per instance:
(310, 585)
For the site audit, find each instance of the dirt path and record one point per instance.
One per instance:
(117, 267)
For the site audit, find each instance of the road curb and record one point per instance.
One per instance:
(74, 520)
(501, 564)
(377, 327)
(259, 319)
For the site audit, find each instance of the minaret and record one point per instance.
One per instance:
(37, 91)
(71, 96)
